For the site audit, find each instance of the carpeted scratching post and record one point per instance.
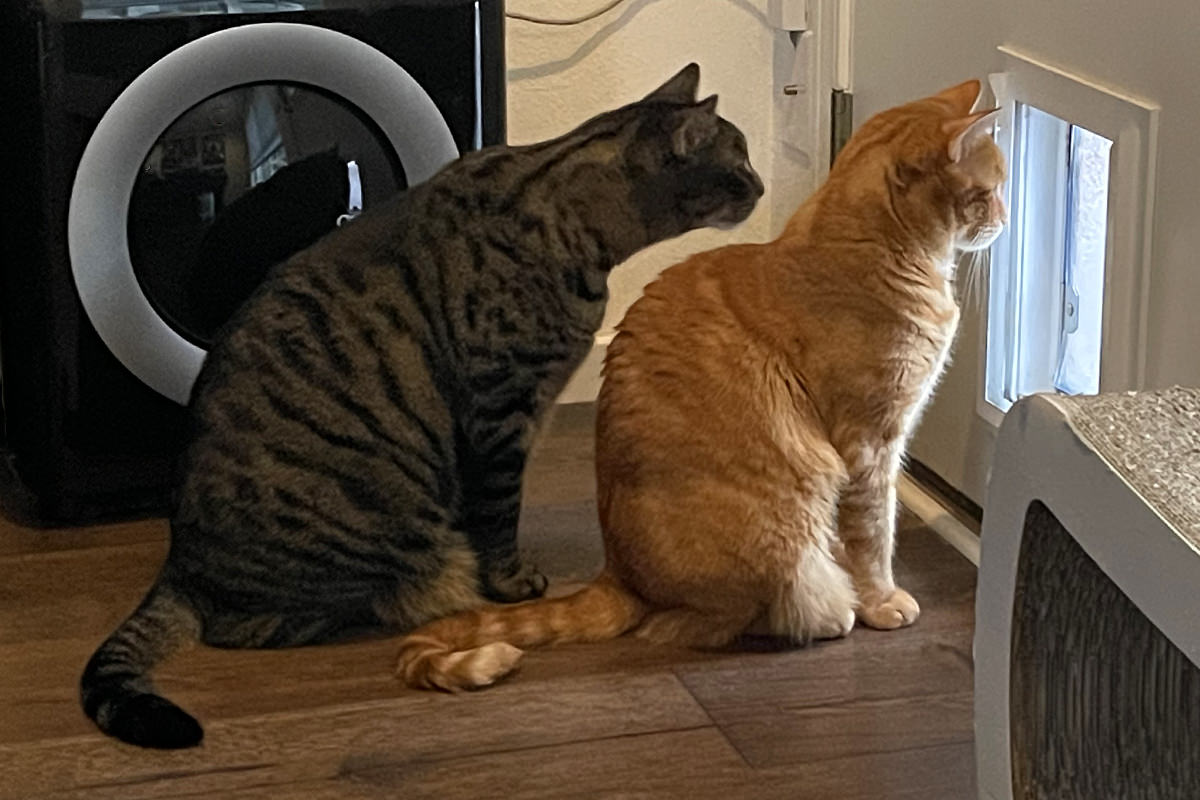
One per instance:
(1088, 604)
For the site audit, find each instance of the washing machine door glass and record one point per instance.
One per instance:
(250, 123)
(239, 183)
(137, 9)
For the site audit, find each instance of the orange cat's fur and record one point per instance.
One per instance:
(755, 410)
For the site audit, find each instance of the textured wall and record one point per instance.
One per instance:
(560, 76)
(903, 50)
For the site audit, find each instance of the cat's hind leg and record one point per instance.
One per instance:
(456, 587)
(492, 471)
(691, 627)
(816, 601)
(444, 586)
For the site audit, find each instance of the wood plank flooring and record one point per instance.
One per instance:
(877, 715)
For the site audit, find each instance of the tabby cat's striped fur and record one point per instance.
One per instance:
(361, 425)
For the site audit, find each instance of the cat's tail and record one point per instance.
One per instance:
(115, 688)
(476, 648)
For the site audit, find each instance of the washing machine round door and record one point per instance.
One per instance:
(222, 159)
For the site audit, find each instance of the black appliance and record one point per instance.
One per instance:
(159, 157)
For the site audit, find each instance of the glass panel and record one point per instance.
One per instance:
(130, 9)
(239, 183)
(1087, 228)
(1045, 317)
(141, 9)
(1040, 252)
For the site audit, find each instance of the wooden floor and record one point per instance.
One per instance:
(877, 715)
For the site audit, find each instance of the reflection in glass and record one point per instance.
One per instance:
(1046, 310)
(1087, 231)
(131, 9)
(239, 183)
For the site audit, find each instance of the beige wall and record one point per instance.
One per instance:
(904, 50)
(560, 76)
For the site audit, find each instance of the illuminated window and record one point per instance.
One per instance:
(1067, 278)
(1046, 298)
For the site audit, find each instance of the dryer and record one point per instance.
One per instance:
(160, 157)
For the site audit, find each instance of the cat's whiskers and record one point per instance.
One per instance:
(974, 266)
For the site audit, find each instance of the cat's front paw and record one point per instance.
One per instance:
(888, 612)
(521, 582)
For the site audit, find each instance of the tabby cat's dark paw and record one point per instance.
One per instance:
(512, 586)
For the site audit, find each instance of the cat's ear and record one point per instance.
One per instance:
(695, 127)
(962, 98)
(961, 131)
(679, 89)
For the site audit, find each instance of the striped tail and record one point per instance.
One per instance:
(476, 648)
(115, 688)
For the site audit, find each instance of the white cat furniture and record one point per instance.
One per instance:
(1087, 635)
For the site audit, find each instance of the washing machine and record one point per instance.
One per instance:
(159, 157)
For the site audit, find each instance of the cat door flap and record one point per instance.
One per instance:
(1066, 280)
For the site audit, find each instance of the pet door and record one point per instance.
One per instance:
(1051, 295)
(1066, 283)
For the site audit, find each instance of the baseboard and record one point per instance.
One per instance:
(964, 508)
(931, 511)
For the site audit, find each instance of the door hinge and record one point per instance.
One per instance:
(842, 122)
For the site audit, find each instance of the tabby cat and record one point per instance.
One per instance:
(361, 424)
(755, 409)
(289, 211)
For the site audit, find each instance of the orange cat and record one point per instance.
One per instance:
(755, 409)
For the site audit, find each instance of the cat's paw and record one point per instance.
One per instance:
(897, 610)
(835, 627)
(512, 585)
